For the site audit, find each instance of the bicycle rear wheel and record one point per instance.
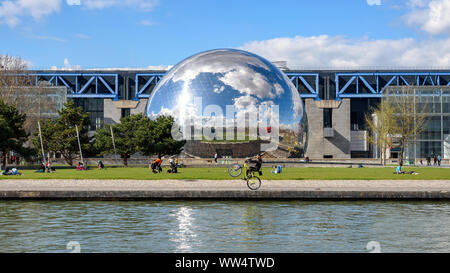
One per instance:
(235, 170)
(254, 183)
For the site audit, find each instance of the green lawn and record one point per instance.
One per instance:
(312, 173)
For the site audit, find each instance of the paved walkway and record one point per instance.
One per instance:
(223, 189)
(218, 185)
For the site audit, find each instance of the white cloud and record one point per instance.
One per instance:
(234, 70)
(73, 2)
(147, 23)
(11, 11)
(246, 81)
(53, 38)
(144, 5)
(339, 52)
(158, 67)
(67, 66)
(417, 3)
(244, 102)
(150, 67)
(373, 2)
(82, 36)
(431, 16)
(218, 89)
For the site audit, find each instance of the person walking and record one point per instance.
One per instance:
(428, 160)
(215, 157)
(439, 160)
(435, 160)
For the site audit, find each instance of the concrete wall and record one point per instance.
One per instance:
(236, 150)
(140, 108)
(337, 146)
(315, 127)
(111, 113)
(113, 109)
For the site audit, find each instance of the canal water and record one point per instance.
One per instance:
(224, 226)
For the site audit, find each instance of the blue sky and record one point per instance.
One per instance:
(143, 33)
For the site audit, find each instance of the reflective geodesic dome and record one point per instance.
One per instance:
(232, 102)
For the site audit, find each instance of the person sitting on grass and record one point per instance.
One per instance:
(156, 165)
(173, 167)
(80, 167)
(41, 168)
(399, 169)
(100, 165)
(49, 167)
(180, 164)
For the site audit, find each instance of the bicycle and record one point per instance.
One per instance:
(253, 181)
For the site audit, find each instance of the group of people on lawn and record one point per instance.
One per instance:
(156, 165)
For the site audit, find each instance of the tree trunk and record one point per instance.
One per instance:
(402, 150)
(4, 160)
(125, 160)
(68, 159)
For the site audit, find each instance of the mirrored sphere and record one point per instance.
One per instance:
(233, 103)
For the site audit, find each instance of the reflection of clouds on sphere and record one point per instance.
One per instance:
(230, 77)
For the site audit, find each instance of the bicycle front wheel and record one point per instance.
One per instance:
(254, 183)
(235, 170)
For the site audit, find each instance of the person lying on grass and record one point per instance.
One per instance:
(9, 171)
(399, 170)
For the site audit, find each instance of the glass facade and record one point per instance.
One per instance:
(435, 138)
(95, 109)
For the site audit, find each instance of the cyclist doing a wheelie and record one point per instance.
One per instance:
(254, 166)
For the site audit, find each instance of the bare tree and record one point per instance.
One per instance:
(18, 88)
(381, 125)
(12, 75)
(409, 120)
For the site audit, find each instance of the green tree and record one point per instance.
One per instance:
(47, 129)
(60, 135)
(138, 133)
(12, 133)
(155, 137)
(124, 137)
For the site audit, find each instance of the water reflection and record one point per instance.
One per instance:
(184, 235)
(224, 226)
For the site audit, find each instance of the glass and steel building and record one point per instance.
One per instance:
(335, 100)
(434, 104)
